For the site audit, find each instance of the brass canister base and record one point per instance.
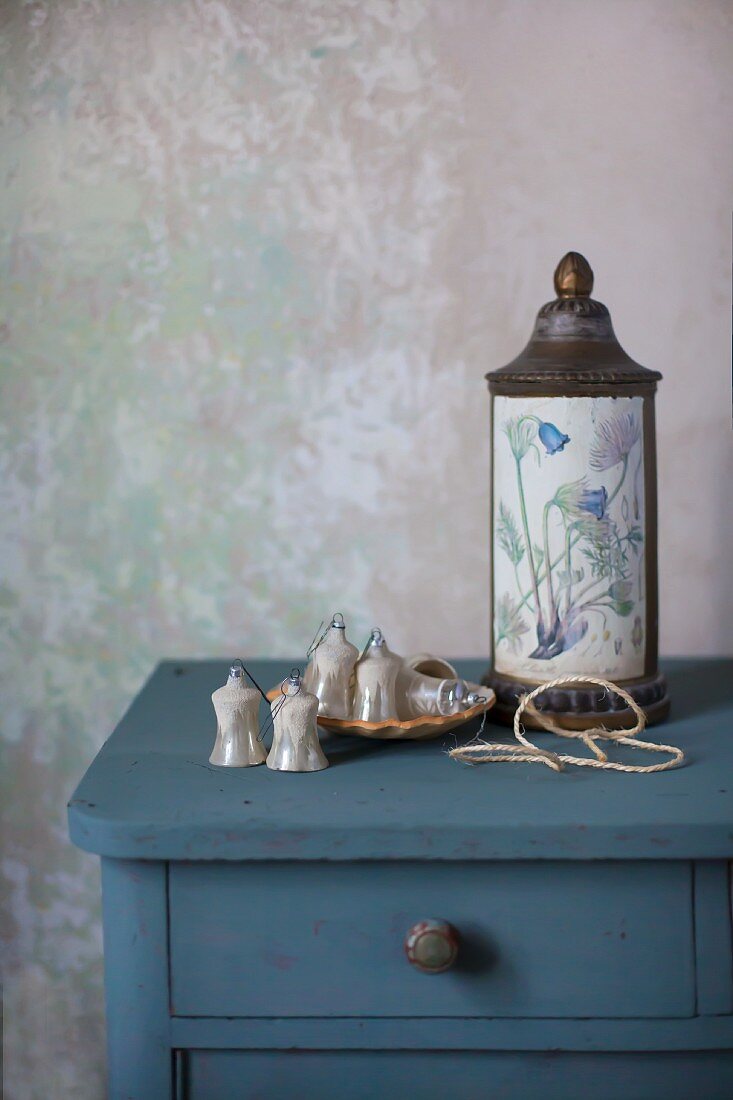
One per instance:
(582, 707)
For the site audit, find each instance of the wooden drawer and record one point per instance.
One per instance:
(562, 939)
(461, 1075)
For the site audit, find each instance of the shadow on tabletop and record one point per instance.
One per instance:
(698, 687)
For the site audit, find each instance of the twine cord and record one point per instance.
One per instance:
(484, 752)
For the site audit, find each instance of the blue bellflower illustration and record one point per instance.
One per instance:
(594, 501)
(552, 438)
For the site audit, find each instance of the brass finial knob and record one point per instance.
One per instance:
(573, 277)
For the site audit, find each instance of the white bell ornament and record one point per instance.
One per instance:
(295, 743)
(329, 674)
(237, 727)
(376, 671)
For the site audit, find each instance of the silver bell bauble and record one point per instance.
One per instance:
(295, 743)
(237, 727)
(329, 674)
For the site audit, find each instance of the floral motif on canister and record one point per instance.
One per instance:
(569, 527)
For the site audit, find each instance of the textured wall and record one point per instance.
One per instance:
(256, 257)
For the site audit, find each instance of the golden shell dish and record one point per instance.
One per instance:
(413, 729)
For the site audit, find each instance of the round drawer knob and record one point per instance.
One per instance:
(431, 946)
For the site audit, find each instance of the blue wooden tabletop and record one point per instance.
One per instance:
(152, 794)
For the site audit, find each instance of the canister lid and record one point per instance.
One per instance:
(573, 339)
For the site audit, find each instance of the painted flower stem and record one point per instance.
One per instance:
(591, 584)
(588, 587)
(528, 541)
(568, 565)
(615, 492)
(593, 605)
(519, 584)
(548, 575)
(576, 536)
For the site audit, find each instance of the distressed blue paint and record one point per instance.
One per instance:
(225, 1075)
(553, 939)
(278, 900)
(136, 979)
(151, 793)
(713, 937)
(452, 1033)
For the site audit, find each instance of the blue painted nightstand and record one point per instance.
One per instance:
(254, 922)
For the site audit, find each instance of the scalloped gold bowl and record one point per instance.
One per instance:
(414, 729)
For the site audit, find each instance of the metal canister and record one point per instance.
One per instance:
(574, 514)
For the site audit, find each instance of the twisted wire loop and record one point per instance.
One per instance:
(240, 664)
(278, 704)
(484, 752)
(318, 637)
(337, 619)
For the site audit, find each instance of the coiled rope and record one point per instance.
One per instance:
(485, 752)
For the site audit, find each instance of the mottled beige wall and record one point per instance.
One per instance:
(256, 258)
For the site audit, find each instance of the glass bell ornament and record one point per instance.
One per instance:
(418, 694)
(431, 665)
(574, 515)
(295, 743)
(237, 727)
(375, 698)
(329, 674)
(437, 667)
